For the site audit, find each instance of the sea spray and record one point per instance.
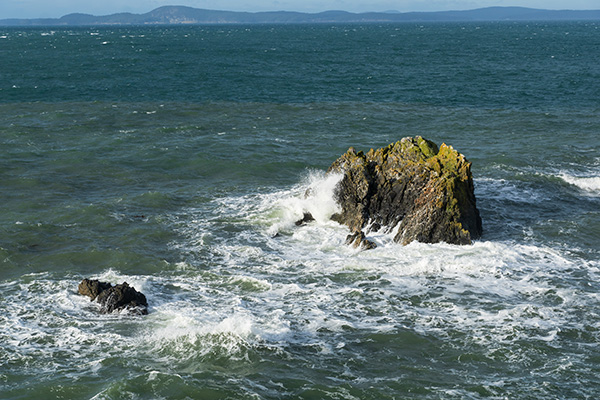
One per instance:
(314, 196)
(304, 298)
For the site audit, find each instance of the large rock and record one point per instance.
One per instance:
(426, 190)
(114, 298)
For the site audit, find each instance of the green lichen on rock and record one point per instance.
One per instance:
(426, 189)
(417, 148)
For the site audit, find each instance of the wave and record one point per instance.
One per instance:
(314, 196)
(254, 286)
(589, 184)
(508, 181)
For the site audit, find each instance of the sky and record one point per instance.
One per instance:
(58, 8)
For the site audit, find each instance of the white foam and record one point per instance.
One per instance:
(46, 318)
(245, 286)
(314, 196)
(494, 292)
(114, 277)
(590, 184)
(278, 283)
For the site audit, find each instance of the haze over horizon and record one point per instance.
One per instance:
(59, 8)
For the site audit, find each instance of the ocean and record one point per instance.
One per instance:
(177, 158)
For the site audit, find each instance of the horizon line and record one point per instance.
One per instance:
(175, 15)
(304, 12)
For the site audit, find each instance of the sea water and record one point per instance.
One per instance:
(177, 159)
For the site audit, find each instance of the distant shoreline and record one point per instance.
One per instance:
(180, 15)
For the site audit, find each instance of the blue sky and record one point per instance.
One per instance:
(57, 8)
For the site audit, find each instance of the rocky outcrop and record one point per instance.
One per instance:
(425, 191)
(114, 298)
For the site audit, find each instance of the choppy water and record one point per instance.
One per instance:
(177, 160)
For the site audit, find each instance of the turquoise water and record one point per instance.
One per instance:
(177, 159)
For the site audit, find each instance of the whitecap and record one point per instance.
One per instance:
(315, 197)
(589, 184)
(140, 283)
(181, 330)
(268, 282)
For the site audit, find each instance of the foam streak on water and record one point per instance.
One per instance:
(254, 297)
(501, 300)
(254, 289)
(276, 298)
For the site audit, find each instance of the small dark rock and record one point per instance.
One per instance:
(114, 298)
(305, 219)
(121, 297)
(358, 239)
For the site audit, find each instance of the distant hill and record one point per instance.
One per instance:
(169, 15)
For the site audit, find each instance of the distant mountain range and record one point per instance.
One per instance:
(169, 15)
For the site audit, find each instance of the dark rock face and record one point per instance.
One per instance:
(427, 190)
(114, 298)
(92, 288)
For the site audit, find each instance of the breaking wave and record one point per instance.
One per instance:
(588, 184)
(254, 286)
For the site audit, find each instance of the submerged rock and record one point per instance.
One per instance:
(114, 298)
(427, 190)
(306, 218)
(359, 240)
